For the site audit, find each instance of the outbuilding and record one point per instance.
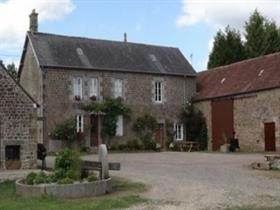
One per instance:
(18, 129)
(242, 99)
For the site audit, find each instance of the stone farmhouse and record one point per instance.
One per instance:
(244, 98)
(61, 72)
(18, 125)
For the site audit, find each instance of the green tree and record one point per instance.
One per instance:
(228, 48)
(12, 70)
(262, 36)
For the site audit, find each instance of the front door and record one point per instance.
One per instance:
(269, 136)
(12, 154)
(159, 135)
(94, 141)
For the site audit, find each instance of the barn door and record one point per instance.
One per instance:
(222, 122)
(269, 136)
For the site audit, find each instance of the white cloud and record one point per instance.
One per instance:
(220, 13)
(15, 20)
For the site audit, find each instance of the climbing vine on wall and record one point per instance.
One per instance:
(112, 108)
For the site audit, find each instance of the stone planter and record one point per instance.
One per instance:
(76, 190)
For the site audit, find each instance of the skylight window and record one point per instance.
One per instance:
(223, 80)
(79, 51)
(153, 57)
(261, 72)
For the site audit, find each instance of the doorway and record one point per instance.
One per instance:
(222, 122)
(159, 135)
(269, 137)
(94, 138)
(12, 155)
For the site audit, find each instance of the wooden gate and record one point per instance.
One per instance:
(222, 122)
(269, 136)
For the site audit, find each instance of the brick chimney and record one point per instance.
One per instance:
(124, 37)
(33, 24)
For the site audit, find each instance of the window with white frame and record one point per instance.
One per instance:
(158, 91)
(179, 132)
(80, 123)
(78, 88)
(119, 129)
(118, 88)
(94, 87)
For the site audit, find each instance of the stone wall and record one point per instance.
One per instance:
(18, 117)
(251, 111)
(59, 103)
(250, 114)
(31, 80)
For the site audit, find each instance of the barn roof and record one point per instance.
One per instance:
(247, 76)
(82, 53)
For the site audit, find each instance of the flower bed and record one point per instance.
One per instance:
(75, 190)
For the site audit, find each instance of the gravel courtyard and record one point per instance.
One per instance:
(193, 181)
(199, 180)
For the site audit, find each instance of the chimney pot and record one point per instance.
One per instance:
(125, 37)
(33, 21)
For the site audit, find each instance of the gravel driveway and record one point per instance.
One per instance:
(199, 180)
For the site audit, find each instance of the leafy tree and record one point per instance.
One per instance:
(12, 70)
(195, 123)
(227, 49)
(262, 37)
(255, 34)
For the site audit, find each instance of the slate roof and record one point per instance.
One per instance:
(83, 53)
(247, 76)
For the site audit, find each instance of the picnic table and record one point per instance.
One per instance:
(189, 146)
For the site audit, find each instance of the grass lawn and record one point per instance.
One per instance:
(125, 194)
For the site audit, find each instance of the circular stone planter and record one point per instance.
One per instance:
(76, 190)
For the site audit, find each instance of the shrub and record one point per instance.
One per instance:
(67, 164)
(40, 178)
(92, 178)
(145, 127)
(65, 131)
(30, 178)
(66, 180)
(149, 144)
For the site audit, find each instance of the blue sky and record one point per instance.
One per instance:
(189, 25)
(152, 22)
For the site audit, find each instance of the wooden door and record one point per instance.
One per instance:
(159, 135)
(269, 136)
(12, 154)
(222, 122)
(94, 141)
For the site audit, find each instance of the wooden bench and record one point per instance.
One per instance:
(97, 166)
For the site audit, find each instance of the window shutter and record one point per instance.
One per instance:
(94, 87)
(119, 129)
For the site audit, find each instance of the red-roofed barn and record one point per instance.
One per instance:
(242, 98)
